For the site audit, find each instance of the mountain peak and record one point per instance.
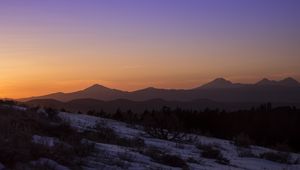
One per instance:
(218, 83)
(149, 89)
(289, 81)
(95, 87)
(222, 80)
(285, 82)
(266, 81)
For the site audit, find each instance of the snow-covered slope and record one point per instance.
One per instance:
(111, 156)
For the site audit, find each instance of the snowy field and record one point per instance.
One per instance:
(176, 155)
(119, 157)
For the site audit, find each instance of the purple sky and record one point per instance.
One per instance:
(130, 44)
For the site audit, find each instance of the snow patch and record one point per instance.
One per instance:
(2, 167)
(49, 162)
(112, 156)
(44, 140)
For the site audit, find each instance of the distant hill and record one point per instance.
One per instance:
(220, 90)
(94, 92)
(85, 105)
(287, 82)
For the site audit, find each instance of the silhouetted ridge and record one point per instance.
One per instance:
(149, 89)
(285, 82)
(218, 83)
(266, 81)
(220, 90)
(289, 82)
(96, 87)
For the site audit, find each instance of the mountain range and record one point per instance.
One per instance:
(219, 90)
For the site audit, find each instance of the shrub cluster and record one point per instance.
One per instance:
(17, 128)
(211, 152)
(242, 140)
(104, 134)
(280, 157)
(166, 159)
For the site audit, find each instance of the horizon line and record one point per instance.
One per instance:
(150, 87)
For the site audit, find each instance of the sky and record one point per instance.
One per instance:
(66, 45)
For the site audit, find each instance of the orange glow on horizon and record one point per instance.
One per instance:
(56, 46)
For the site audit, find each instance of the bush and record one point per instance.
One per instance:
(17, 147)
(164, 125)
(101, 134)
(192, 160)
(152, 152)
(104, 134)
(62, 131)
(166, 159)
(179, 145)
(84, 149)
(280, 157)
(202, 146)
(172, 160)
(223, 160)
(208, 151)
(246, 154)
(52, 114)
(282, 147)
(8, 102)
(131, 142)
(126, 156)
(211, 153)
(14, 151)
(297, 161)
(242, 140)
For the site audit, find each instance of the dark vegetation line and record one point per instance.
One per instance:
(275, 127)
(278, 127)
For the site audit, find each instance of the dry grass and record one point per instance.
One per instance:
(17, 147)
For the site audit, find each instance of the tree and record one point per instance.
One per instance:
(163, 125)
(118, 115)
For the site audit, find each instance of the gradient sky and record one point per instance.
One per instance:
(65, 45)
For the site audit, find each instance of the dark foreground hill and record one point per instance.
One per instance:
(33, 138)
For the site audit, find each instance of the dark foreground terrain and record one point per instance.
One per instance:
(44, 138)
